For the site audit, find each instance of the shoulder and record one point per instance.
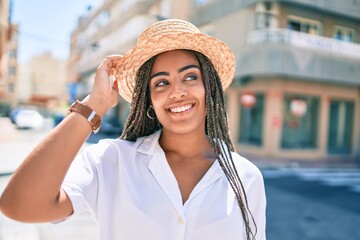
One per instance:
(110, 148)
(106, 145)
(246, 169)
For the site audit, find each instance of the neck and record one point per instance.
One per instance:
(189, 145)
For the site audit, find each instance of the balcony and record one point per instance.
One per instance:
(299, 39)
(282, 52)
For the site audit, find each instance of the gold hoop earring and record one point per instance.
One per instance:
(148, 113)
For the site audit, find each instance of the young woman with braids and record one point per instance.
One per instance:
(173, 173)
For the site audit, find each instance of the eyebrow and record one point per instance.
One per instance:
(179, 71)
(187, 67)
(159, 74)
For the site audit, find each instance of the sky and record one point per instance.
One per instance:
(46, 25)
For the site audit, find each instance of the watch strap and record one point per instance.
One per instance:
(92, 117)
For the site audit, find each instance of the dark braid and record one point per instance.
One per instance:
(138, 125)
(217, 130)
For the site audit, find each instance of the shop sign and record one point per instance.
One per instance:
(298, 107)
(248, 100)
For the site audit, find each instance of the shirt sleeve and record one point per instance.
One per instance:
(81, 183)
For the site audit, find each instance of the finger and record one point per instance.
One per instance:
(111, 81)
(115, 86)
(114, 59)
(110, 62)
(115, 94)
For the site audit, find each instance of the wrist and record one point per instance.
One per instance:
(91, 116)
(98, 104)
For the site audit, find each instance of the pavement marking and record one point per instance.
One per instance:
(331, 177)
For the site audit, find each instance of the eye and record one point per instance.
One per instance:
(191, 77)
(161, 83)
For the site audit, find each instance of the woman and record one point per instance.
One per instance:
(173, 174)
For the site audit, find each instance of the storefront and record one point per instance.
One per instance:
(295, 119)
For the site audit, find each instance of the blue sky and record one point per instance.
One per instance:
(46, 25)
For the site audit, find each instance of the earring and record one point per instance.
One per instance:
(148, 113)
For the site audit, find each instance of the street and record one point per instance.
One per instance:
(313, 204)
(302, 203)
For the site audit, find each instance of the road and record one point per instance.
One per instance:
(313, 204)
(302, 203)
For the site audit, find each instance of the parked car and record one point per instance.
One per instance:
(14, 112)
(29, 119)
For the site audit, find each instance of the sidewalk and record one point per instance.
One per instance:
(15, 144)
(14, 147)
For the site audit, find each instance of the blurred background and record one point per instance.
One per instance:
(294, 104)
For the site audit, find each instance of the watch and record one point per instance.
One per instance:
(93, 118)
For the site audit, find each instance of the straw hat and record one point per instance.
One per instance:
(170, 35)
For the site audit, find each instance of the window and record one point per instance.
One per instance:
(340, 127)
(251, 119)
(12, 71)
(12, 53)
(304, 25)
(266, 15)
(344, 34)
(103, 19)
(300, 122)
(10, 87)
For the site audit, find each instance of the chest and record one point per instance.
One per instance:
(188, 174)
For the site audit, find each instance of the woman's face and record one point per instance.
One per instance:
(177, 92)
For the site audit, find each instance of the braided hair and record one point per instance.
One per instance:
(138, 125)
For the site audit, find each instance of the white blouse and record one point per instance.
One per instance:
(133, 193)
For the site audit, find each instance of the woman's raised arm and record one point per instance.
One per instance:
(33, 193)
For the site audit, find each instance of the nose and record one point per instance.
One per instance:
(178, 92)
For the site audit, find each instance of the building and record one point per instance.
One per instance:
(8, 58)
(111, 28)
(296, 89)
(42, 82)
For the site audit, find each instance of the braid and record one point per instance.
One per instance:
(138, 125)
(218, 132)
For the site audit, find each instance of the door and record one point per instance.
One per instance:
(340, 127)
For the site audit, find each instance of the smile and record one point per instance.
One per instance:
(180, 109)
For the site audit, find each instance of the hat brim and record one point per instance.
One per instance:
(218, 52)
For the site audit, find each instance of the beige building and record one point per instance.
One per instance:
(42, 81)
(296, 90)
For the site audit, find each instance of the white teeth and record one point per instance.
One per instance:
(180, 109)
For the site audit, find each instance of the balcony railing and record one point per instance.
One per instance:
(303, 40)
